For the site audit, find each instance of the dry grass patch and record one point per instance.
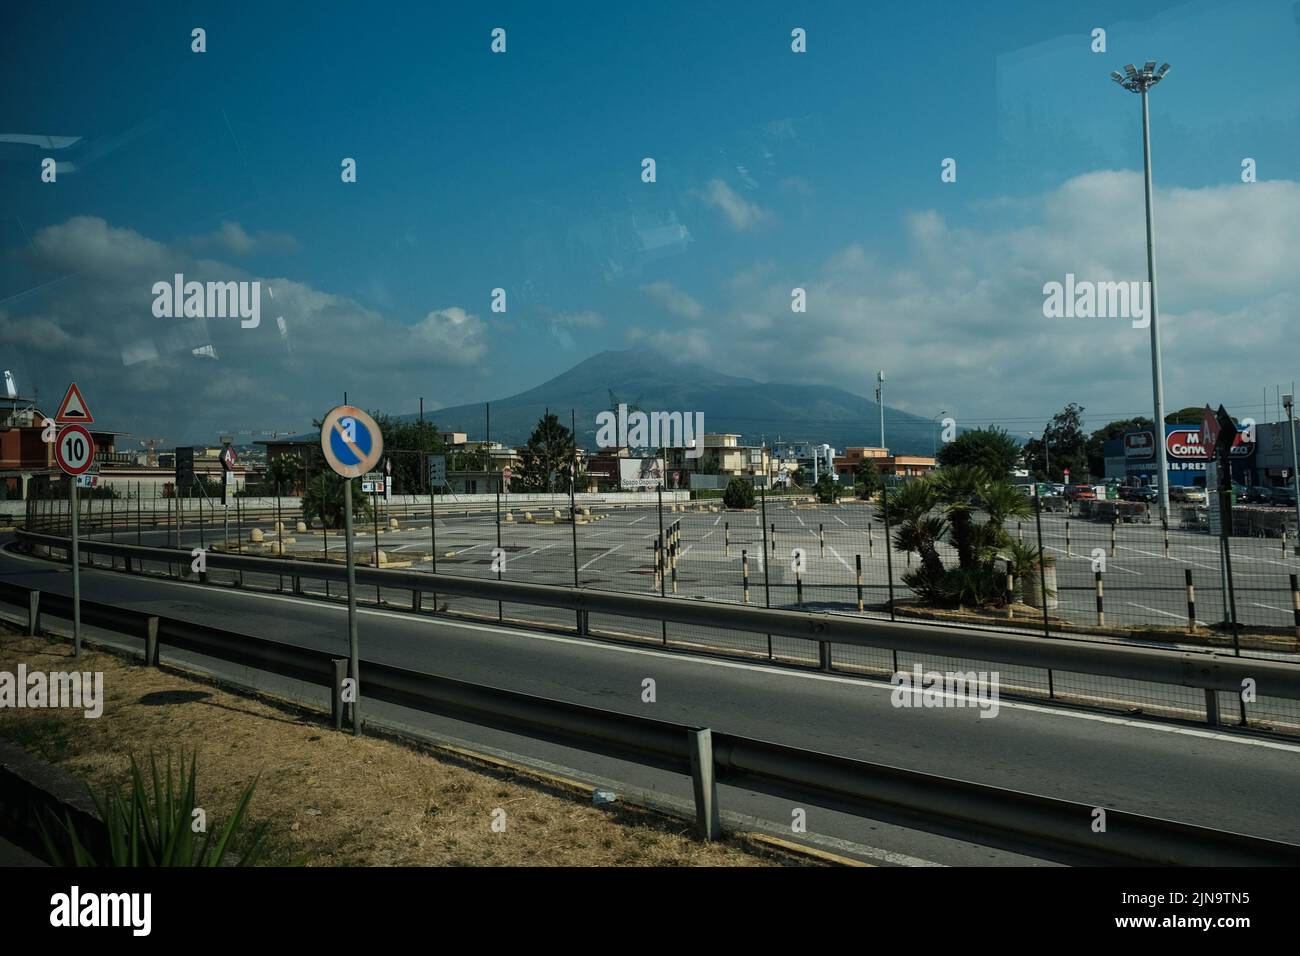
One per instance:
(330, 798)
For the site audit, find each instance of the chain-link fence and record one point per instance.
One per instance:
(1113, 573)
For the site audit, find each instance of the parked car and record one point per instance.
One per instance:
(1078, 492)
(1283, 496)
(1187, 494)
(1145, 493)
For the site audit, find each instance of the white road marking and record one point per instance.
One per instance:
(1162, 557)
(744, 665)
(599, 556)
(838, 558)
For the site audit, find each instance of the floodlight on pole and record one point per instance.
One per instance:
(1141, 83)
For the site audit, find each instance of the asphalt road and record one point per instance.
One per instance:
(1220, 779)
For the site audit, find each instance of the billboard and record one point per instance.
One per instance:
(638, 474)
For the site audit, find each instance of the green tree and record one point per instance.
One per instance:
(739, 494)
(967, 507)
(828, 489)
(545, 457)
(324, 500)
(1109, 431)
(1066, 447)
(992, 449)
(866, 478)
(407, 445)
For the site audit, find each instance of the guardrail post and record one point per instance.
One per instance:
(34, 612)
(296, 583)
(1211, 707)
(151, 641)
(707, 822)
(824, 656)
(416, 600)
(336, 691)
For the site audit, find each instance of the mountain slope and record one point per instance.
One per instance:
(756, 410)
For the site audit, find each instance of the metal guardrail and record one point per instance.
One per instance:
(1205, 670)
(710, 758)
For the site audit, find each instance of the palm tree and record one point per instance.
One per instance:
(324, 499)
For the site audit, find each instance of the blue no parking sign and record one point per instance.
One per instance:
(351, 441)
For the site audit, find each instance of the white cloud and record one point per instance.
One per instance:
(673, 299)
(96, 326)
(742, 214)
(232, 239)
(959, 317)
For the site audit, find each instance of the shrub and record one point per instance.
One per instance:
(739, 494)
(156, 828)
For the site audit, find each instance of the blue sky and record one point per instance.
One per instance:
(522, 171)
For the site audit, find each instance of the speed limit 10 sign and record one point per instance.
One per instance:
(74, 450)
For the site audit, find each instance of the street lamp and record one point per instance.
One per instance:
(934, 434)
(880, 400)
(1140, 81)
(1288, 402)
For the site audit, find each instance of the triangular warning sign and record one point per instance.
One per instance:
(74, 408)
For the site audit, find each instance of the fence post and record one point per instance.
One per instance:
(1101, 609)
(1068, 552)
(151, 641)
(1011, 592)
(798, 586)
(1191, 600)
(857, 562)
(1112, 537)
(1042, 584)
(707, 821)
(744, 575)
(1295, 604)
(1164, 520)
(726, 537)
(889, 560)
(821, 538)
(34, 611)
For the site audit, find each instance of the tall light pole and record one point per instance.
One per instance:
(935, 434)
(1289, 402)
(880, 400)
(1141, 81)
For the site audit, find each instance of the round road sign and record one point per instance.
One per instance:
(74, 449)
(351, 441)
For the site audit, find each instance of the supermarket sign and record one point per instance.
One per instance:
(1184, 444)
(1183, 447)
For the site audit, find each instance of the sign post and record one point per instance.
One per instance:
(74, 450)
(228, 459)
(352, 444)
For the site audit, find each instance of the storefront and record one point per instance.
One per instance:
(1186, 456)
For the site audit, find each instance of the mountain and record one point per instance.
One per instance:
(756, 410)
